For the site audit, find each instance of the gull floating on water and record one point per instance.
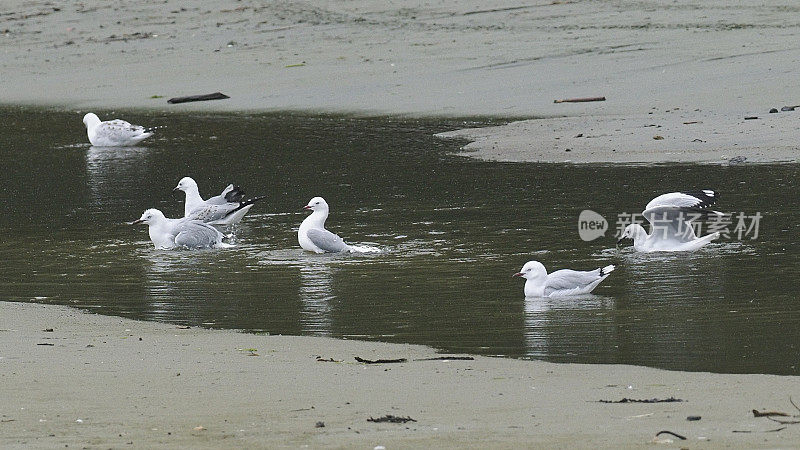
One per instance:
(313, 236)
(561, 283)
(170, 233)
(670, 217)
(227, 208)
(114, 133)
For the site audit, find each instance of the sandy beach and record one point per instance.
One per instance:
(689, 72)
(98, 382)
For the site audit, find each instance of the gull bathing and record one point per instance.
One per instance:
(313, 236)
(170, 233)
(670, 216)
(114, 133)
(561, 283)
(227, 208)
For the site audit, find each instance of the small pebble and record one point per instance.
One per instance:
(773, 110)
(693, 418)
(320, 424)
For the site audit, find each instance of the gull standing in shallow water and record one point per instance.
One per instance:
(227, 208)
(114, 133)
(313, 236)
(170, 233)
(561, 283)
(670, 217)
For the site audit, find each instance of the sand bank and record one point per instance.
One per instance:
(96, 381)
(724, 60)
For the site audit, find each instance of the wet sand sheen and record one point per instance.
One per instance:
(119, 382)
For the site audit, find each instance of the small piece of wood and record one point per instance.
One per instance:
(380, 361)
(391, 419)
(581, 100)
(198, 98)
(683, 438)
(757, 413)
(649, 400)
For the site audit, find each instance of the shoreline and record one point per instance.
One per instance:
(709, 64)
(99, 381)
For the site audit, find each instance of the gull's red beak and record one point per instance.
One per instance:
(137, 221)
(518, 274)
(307, 207)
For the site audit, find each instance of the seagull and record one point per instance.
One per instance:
(170, 233)
(313, 236)
(561, 283)
(227, 208)
(670, 217)
(114, 133)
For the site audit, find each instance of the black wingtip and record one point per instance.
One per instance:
(235, 195)
(252, 200)
(247, 203)
(707, 197)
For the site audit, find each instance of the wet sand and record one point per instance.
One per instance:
(97, 382)
(689, 61)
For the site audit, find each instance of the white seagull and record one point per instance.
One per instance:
(313, 236)
(114, 133)
(170, 233)
(561, 283)
(670, 216)
(227, 208)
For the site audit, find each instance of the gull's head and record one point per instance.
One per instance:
(185, 184)
(149, 217)
(627, 233)
(90, 118)
(317, 204)
(531, 270)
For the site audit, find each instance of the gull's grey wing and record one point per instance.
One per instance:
(327, 241)
(220, 199)
(685, 199)
(210, 213)
(568, 282)
(672, 223)
(194, 234)
(120, 130)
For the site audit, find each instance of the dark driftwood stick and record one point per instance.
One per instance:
(683, 438)
(392, 419)
(649, 400)
(380, 361)
(580, 100)
(757, 413)
(198, 98)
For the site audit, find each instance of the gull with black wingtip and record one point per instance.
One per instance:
(670, 216)
(561, 283)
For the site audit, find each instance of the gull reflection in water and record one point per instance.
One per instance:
(176, 280)
(316, 294)
(558, 326)
(110, 170)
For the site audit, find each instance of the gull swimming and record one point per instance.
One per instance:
(313, 236)
(170, 233)
(227, 208)
(114, 133)
(670, 216)
(561, 283)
